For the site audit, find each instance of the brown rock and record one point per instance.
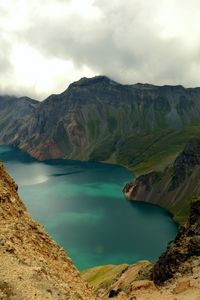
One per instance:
(33, 266)
(143, 284)
(182, 286)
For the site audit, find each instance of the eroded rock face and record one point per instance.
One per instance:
(185, 248)
(142, 184)
(185, 163)
(173, 188)
(33, 266)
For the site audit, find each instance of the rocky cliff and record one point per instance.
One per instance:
(182, 255)
(175, 187)
(140, 126)
(33, 266)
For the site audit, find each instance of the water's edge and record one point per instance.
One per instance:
(83, 208)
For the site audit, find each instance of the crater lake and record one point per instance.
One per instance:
(81, 205)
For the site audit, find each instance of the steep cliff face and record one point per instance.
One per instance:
(33, 266)
(175, 187)
(138, 125)
(182, 255)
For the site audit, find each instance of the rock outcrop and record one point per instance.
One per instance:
(32, 265)
(140, 126)
(175, 187)
(111, 280)
(182, 255)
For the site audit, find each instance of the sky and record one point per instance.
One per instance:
(45, 45)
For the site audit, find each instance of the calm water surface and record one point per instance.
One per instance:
(81, 205)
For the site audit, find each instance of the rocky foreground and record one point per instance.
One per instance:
(32, 265)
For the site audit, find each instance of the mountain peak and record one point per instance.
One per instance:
(84, 81)
(145, 86)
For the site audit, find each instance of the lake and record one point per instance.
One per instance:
(82, 207)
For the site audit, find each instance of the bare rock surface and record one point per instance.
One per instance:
(32, 265)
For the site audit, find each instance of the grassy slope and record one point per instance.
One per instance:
(188, 192)
(114, 277)
(154, 151)
(103, 276)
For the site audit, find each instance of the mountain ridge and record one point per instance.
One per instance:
(99, 119)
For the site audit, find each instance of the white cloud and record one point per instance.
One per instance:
(45, 45)
(43, 74)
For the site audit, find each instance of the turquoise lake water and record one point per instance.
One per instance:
(82, 206)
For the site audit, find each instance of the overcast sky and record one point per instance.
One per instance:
(47, 44)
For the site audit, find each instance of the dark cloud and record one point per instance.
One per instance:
(137, 41)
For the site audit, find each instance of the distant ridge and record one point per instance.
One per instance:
(140, 125)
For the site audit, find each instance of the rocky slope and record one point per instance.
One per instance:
(175, 187)
(140, 126)
(13, 113)
(175, 276)
(33, 266)
(182, 255)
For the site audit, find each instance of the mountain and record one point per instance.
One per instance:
(14, 113)
(141, 126)
(175, 187)
(33, 266)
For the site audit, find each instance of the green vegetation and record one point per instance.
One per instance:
(103, 276)
(181, 210)
(93, 126)
(102, 152)
(179, 184)
(60, 136)
(154, 151)
(112, 123)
